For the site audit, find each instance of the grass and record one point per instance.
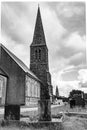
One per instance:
(57, 110)
(70, 123)
(68, 109)
(33, 126)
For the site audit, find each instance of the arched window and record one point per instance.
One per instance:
(36, 54)
(39, 54)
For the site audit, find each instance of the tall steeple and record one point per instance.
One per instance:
(39, 36)
(39, 51)
(39, 66)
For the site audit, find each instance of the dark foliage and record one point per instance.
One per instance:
(75, 92)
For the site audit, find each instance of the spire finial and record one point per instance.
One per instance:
(38, 5)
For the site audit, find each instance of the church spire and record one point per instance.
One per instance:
(39, 37)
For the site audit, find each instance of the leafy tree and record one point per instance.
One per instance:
(74, 92)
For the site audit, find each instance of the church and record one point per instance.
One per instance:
(20, 85)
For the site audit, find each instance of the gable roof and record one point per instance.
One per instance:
(20, 63)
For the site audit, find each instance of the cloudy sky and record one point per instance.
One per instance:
(65, 31)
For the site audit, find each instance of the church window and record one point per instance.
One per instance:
(1, 85)
(36, 54)
(39, 54)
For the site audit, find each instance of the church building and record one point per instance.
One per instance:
(20, 85)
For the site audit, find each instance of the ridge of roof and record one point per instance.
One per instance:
(19, 62)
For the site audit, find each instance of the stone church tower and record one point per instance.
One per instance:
(39, 54)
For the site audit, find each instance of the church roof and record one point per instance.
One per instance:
(39, 36)
(19, 62)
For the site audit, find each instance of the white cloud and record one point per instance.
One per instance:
(66, 86)
(79, 83)
(16, 27)
(72, 16)
(73, 68)
(20, 50)
(76, 56)
(69, 68)
(53, 29)
(82, 75)
(69, 9)
(75, 41)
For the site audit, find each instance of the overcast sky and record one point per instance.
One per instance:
(65, 31)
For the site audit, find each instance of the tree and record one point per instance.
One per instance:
(57, 91)
(75, 92)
